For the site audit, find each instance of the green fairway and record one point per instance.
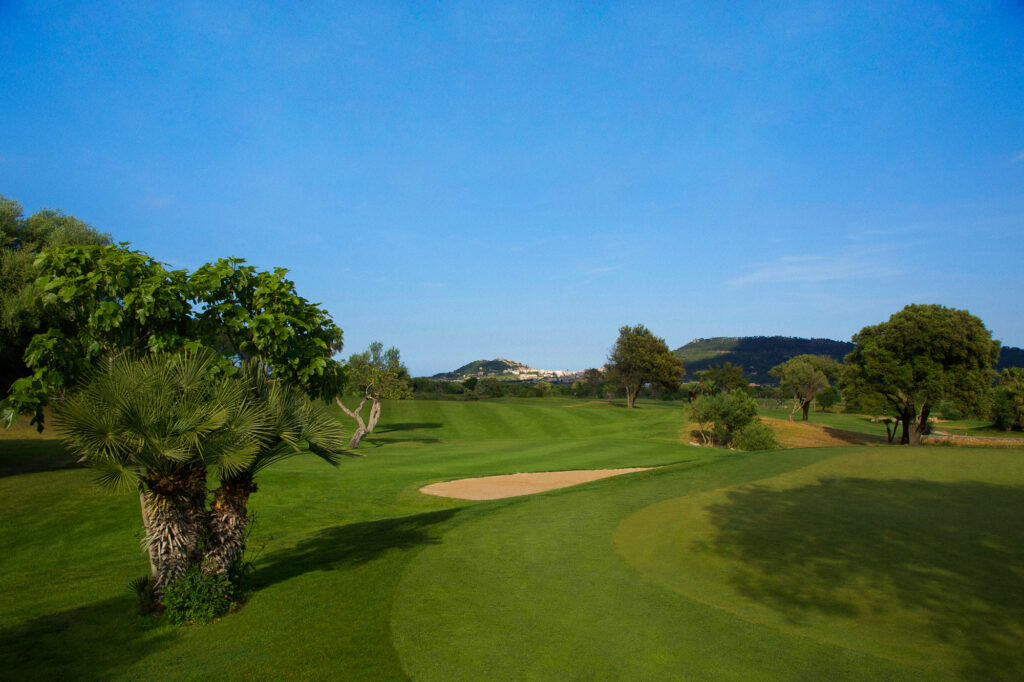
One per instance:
(360, 576)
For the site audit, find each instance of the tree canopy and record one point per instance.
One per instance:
(21, 241)
(639, 357)
(920, 356)
(725, 377)
(110, 299)
(803, 377)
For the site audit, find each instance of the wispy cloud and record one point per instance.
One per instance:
(599, 270)
(1019, 156)
(434, 285)
(815, 268)
(885, 232)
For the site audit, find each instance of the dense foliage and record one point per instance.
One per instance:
(109, 299)
(21, 241)
(1008, 400)
(922, 355)
(198, 598)
(719, 417)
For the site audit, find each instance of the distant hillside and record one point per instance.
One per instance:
(499, 367)
(1010, 357)
(756, 354)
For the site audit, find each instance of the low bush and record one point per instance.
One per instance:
(722, 416)
(197, 598)
(756, 436)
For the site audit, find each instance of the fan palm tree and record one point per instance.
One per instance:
(292, 419)
(155, 424)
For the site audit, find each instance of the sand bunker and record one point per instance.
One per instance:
(514, 485)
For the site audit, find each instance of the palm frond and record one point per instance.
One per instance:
(116, 476)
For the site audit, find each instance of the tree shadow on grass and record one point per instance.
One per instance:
(350, 545)
(380, 442)
(93, 642)
(33, 455)
(953, 552)
(407, 426)
(855, 437)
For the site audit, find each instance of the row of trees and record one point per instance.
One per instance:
(923, 356)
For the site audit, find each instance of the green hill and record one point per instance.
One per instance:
(756, 354)
(1010, 357)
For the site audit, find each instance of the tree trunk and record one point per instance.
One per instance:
(229, 522)
(907, 420)
(806, 406)
(631, 396)
(920, 425)
(173, 536)
(374, 415)
(145, 528)
(360, 424)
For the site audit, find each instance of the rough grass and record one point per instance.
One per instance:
(360, 576)
(800, 434)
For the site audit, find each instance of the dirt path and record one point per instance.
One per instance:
(514, 485)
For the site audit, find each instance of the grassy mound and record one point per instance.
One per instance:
(907, 555)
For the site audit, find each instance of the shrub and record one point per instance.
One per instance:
(1004, 409)
(829, 397)
(756, 436)
(197, 598)
(721, 416)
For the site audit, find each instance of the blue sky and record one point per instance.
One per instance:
(468, 180)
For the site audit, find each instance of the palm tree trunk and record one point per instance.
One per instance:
(172, 536)
(145, 527)
(229, 522)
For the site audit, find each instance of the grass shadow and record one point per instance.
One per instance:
(407, 426)
(93, 642)
(33, 455)
(855, 437)
(350, 545)
(952, 552)
(380, 442)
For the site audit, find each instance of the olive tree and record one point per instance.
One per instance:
(922, 355)
(373, 375)
(639, 357)
(803, 377)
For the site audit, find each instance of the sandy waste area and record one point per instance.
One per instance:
(514, 485)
